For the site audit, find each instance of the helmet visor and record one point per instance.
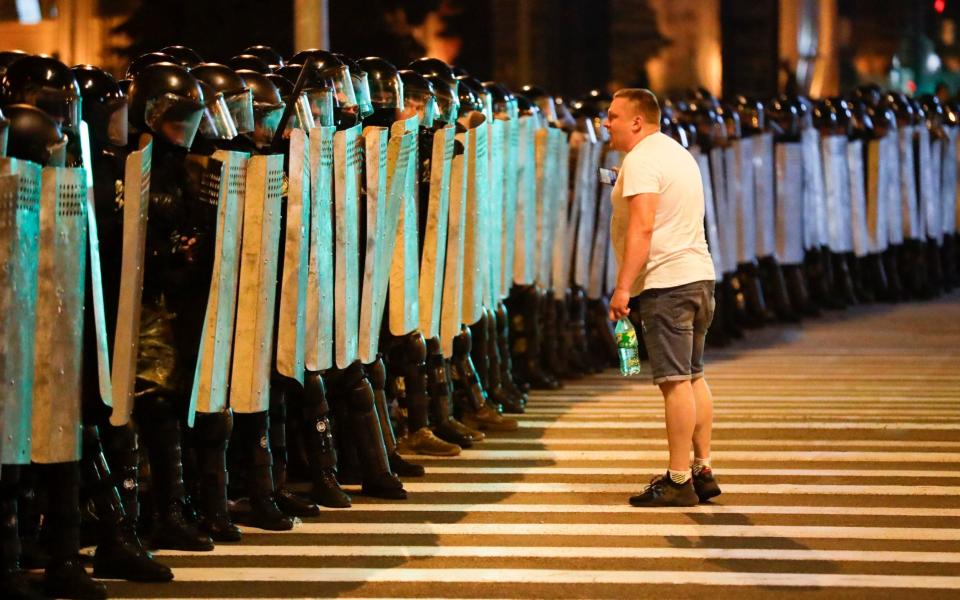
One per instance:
(321, 106)
(4, 127)
(117, 123)
(241, 109)
(448, 100)
(57, 153)
(174, 118)
(267, 119)
(422, 103)
(303, 115)
(487, 105)
(387, 93)
(343, 85)
(361, 89)
(62, 106)
(217, 124)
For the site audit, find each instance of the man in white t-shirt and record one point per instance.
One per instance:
(658, 239)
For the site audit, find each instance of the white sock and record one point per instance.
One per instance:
(679, 477)
(700, 464)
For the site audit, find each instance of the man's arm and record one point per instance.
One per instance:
(643, 209)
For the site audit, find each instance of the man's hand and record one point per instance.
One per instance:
(618, 304)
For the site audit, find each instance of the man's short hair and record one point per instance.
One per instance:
(644, 101)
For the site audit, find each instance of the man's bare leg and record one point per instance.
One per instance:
(681, 412)
(703, 431)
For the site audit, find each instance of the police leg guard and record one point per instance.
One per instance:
(252, 437)
(600, 339)
(913, 269)
(119, 554)
(478, 354)
(13, 581)
(717, 335)
(875, 277)
(477, 412)
(517, 394)
(732, 299)
(819, 272)
(525, 339)
(319, 445)
(934, 268)
(408, 364)
(174, 527)
(775, 290)
(579, 347)
(440, 390)
(797, 291)
(497, 393)
(65, 576)
(891, 266)
(211, 435)
(566, 359)
(288, 501)
(757, 313)
(862, 286)
(378, 479)
(948, 257)
(552, 358)
(842, 284)
(348, 460)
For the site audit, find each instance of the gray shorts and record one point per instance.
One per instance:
(675, 322)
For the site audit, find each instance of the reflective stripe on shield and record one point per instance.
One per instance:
(451, 316)
(474, 238)
(211, 380)
(789, 212)
(19, 246)
(253, 342)
(602, 248)
(59, 327)
(948, 186)
(710, 213)
(524, 259)
(347, 154)
(402, 257)
(876, 201)
(320, 279)
(764, 163)
(291, 322)
(126, 337)
(858, 198)
(908, 185)
(433, 261)
(836, 187)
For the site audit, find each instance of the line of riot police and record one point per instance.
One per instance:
(301, 269)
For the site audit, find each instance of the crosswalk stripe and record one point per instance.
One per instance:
(735, 488)
(467, 470)
(556, 577)
(721, 425)
(717, 457)
(659, 443)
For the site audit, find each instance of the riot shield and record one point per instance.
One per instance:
(19, 248)
(525, 241)
(402, 254)
(928, 157)
(858, 199)
(764, 168)
(347, 154)
(888, 189)
(585, 206)
(744, 204)
(908, 184)
(546, 169)
(814, 211)
(126, 337)
(475, 209)
(601, 250)
(225, 173)
(511, 181)
(320, 276)
(96, 275)
(790, 203)
(434, 257)
(876, 218)
(495, 214)
(710, 212)
(451, 312)
(836, 171)
(294, 273)
(948, 185)
(253, 339)
(725, 181)
(564, 216)
(59, 325)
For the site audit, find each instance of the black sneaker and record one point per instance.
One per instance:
(705, 484)
(662, 491)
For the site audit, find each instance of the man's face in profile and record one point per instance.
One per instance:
(623, 122)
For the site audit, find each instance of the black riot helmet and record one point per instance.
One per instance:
(361, 86)
(217, 123)
(267, 55)
(167, 100)
(826, 119)
(445, 84)
(184, 56)
(486, 98)
(47, 84)
(35, 136)
(861, 120)
(249, 62)
(137, 64)
(8, 56)
(267, 106)
(731, 119)
(319, 91)
(545, 102)
(870, 94)
(711, 130)
(331, 68)
(752, 115)
(386, 86)
(104, 105)
(504, 102)
(4, 127)
(783, 115)
(418, 98)
(470, 97)
(238, 96)
(302, 116)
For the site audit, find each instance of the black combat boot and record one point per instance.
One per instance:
(891, 266)
(602, 343)
(757, 313)
(577, 332)
(440, 391)
(797, 291)
(552, 353)
(211, 434)
(289, 502)
(251, 435)
(13, 581)
(775, 290)
(517, 395)
(477, 412)
(496, 392)
(319, 445)
(526, 338)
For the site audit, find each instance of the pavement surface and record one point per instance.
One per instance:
(836, 445)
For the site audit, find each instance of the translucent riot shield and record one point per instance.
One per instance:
(928, 167)
(545, 206)
(126, 337)
(403, 256)
(256, 303)
(814, 210)
(451, 315)
(836, 170)
(320, 276)
(764, 168)
(876, 175)
(790, 204)
(433, 260)
(511, 181)
(59, 325)
(710, 212)
(585, 205)
(475, 227)
(948, 186)
(565, 216)
(888, 189)
(908, 184)
(524, 257)
(496, 154)
(744, 199)
(602, 248)
(858, 198)
(723, 173)
(347, 154)
(19, 254)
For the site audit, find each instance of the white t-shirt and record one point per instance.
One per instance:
(678, 249)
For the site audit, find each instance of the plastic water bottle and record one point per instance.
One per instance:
(628, 348)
